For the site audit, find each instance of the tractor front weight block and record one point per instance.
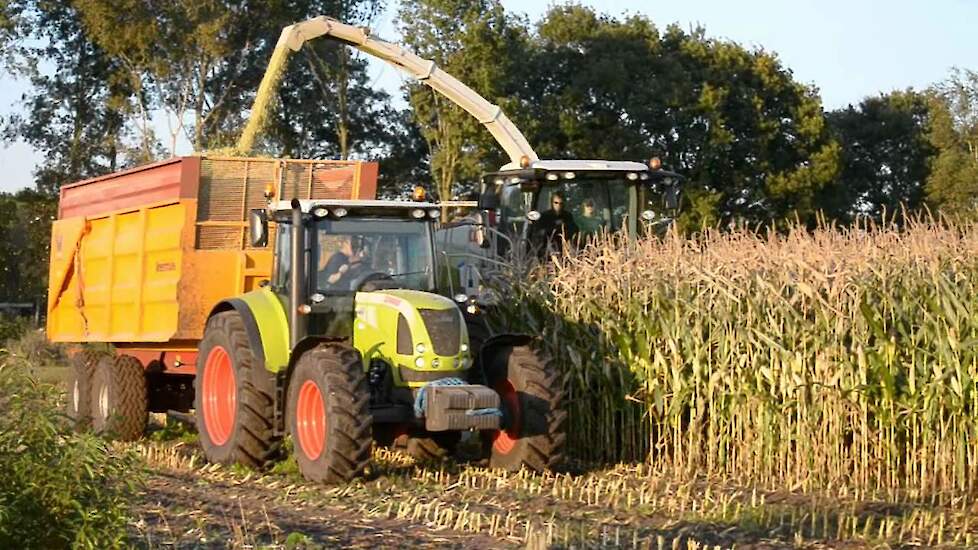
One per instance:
(453, 408)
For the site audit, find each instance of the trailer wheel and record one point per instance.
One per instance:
(119, 398)
(234, 416)
(329, 415)
(79, 400)
(531, 394)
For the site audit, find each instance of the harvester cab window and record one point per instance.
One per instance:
(513, 209)
(351, 249)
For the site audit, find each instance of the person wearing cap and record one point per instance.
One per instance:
(587, 222)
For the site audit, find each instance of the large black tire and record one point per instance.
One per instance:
(119, 398)
(79, 402)
(329, 414)
(531, 391)
(234, 415)
(427, 447)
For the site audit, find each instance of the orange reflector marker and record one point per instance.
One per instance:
(419, 194)
(655, 163)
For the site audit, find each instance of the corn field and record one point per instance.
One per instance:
(802, 360)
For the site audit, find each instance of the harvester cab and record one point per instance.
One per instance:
(357, 346)
(578, 198)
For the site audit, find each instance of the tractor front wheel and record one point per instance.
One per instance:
(234, 415)
(329, 415)
(118, 398)
(531, 396)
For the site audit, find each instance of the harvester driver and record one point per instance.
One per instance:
(556, 223)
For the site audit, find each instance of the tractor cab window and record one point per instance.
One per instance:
(352, 251)
(283, 254)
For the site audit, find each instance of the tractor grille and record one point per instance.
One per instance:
(445, 329)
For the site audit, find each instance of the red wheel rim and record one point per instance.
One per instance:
(504, 440)
(310, 420)
(220, 395)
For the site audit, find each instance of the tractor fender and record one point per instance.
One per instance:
(265, 321)
(494, 344)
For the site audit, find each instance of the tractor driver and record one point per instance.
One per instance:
(344, 264)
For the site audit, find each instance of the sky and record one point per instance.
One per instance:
(847, 49)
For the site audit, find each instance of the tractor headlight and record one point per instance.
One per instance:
(417, 213)
(419, 362)
(464, 348)
(320, 212)
(435, 362)
(461, 298)
(339, 212)
(420, 348)
(434, 213)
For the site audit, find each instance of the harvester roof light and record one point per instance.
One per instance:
(417, 213)
(514, 180)
(320, 212)
(655, 163)
(632, 176)
(339, 212)
(434, 213)
(648, 215)
(499, 181)
(533, 215)
(524, 161)
(418, 194)
(553, 176)
(569, 175)
(644, 176)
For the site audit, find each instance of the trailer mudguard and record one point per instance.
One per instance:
(268, 329)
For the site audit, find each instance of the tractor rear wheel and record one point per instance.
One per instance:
(531, 395)
(329, 415)
(80, 388)
(119, 398)
(234, 415)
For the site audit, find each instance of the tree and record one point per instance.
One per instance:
(477, 43)
(25, 236)
(77, 105)
(885, 156)
(751, 141)
(952, 187)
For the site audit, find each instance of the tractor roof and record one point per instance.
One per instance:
(307, 205)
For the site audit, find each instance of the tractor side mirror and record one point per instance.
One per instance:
(258, 227)
(670, 197)
(488, 200)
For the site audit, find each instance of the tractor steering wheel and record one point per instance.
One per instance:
(377, 280)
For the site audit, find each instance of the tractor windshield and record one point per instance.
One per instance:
(352, 250)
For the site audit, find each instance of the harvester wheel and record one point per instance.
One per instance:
(531, 393)
(234, 415)
(80, 388)
(329, 415)
(119, 398)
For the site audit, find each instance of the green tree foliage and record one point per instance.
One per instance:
(751, 141)
(885, 156)
(77, 103)
(952, 186)
(25, 240)
(478, 43)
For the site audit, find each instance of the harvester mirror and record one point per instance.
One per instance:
(670, 197)
(488, 200)
(258, 227)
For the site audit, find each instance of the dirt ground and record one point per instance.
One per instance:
(187, 503)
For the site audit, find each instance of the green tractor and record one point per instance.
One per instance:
(349, 345)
